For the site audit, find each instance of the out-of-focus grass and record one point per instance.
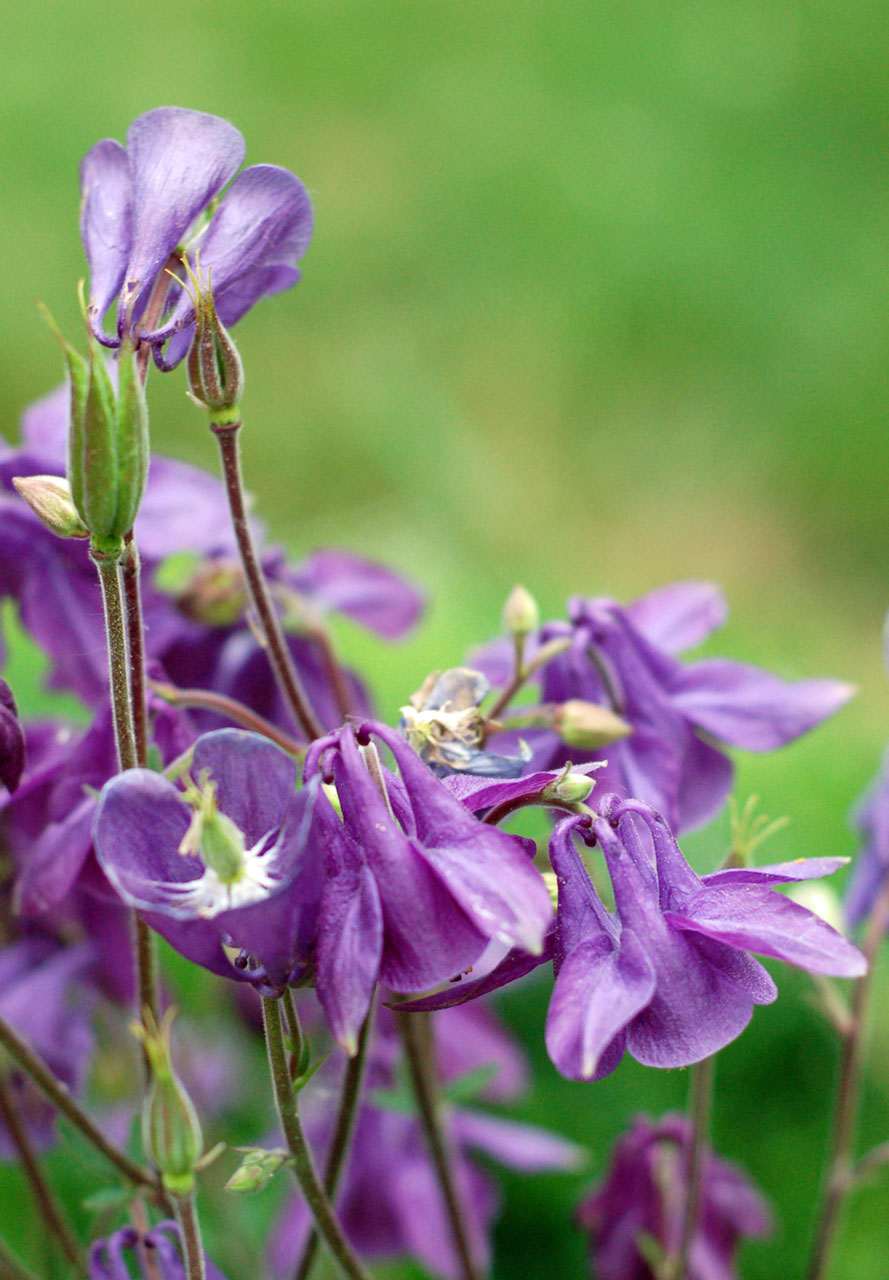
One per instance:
(597, 299)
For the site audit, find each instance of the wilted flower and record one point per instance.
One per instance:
(140, 211)
(636, 1214)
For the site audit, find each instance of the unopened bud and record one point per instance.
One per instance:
(587, 726)
(49, 497)
(257, 1167)
(520, 613)
(215, 372)
(171, 1130)
(569, 788)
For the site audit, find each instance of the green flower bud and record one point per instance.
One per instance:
(520, 613)
(49, 497)
(211, 835)
(171, 1130)
(257, 1168)
(586, 726)
(569, 788)
(215, 372)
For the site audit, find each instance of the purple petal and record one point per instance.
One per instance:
(179, 160)
(12, 740)
(598, 992)
(525, 1147)
(678, 616)
(183, 509)
(776, 872)
(55, 860)
(106, 225)
(45, 427)
(255, 780)
(368, 593)
(349, 949)
(263, 224)
(704, 784)
(751, 708)
(513, 965)
(761, 920)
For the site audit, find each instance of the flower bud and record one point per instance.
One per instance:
(171, 1130)
(520, 613)
(49, 497)
(256, 1169)
(569, 788)
(215, 372)
(586, 726)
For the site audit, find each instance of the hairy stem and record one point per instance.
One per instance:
(416, 1034)
(342, 1135)
(131, 568)
(304, 1166)
(40, 1188)
(58, 1094)
(700, 1098)
(279, 654)
(189, 1227)
(840, 1164)
(207, 700)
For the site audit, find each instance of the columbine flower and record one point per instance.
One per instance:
(142, 205)
(682, 715)
(224, 865)
(638, 1209)
(667, 977)
(416, 886)
(156, 1253)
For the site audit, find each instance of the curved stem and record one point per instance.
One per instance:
(841, 1161)
(42, 1192)
(304, 1167)
(416, 1034)
(190, 1230)
(342, 1134)
(279, 654)
(58, 1094)
(207, 700)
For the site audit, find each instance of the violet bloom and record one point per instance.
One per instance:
(225, 866)
(871, 817)
(683, 715)
(667, 977)
(157, 1255)
(142, 205)
(390, 1202)
(415, 885)
(642, 1201)
(12, 740)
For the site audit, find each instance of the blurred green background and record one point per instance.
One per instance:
(597, 300)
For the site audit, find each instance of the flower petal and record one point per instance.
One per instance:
(106, 226)
(368, 593)
(776, 872)
(255, 780)
(525, 1147)
(678, 616)
(348, 953)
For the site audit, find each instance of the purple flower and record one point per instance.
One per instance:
(415, 885)
(641, 1204)
(156, 1253)
(682, 715)
(225, 865)
(390, 1202)
(871, 817)
(667, 977)
(142, 204)
(12, 740)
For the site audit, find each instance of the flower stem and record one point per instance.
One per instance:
(840, 1165)
(700, 1098)
(342, 1134)
(189, 1227)
(416, 1035)
(130, 566)
(11, 1268)
(207, 700)
(279, 654)
(524, 672)
(42, 1192)
(58, 1094)
(288, 1112)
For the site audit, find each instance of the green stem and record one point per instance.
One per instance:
(60, 1097)
(130, 567)
(342, 1135)
(840, 1165)
(304, 1167)
(11, 1268)
(524, 673)
(416, 1034)
(190, 1230)
(700, 1099)
(40, 1188)
(278, 652)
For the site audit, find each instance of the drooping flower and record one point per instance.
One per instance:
(636, 1214)
(225, 866)
(390, 1202)
(667, 977)
(142, 205)
(682, 715)
(156, 1253)
(415, 884)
